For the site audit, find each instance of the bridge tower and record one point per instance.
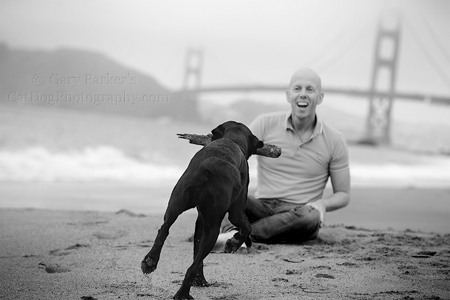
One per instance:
(382, 89)
(193, 71)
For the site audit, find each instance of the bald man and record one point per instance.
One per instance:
(288, 206)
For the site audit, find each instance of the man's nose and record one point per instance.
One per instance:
(302, 93)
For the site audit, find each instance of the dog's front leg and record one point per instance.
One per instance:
(238, 218)
(234, 243)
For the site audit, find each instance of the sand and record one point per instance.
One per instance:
(400, 208)
(60, 254)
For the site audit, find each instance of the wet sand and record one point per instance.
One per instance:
(399, 208)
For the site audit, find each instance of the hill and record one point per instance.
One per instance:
(84, 80)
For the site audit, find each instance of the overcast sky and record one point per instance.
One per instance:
(243, 41)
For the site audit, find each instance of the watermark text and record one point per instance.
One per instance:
(60, 79)
(65, 97)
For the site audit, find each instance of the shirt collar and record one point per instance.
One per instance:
(317, 130)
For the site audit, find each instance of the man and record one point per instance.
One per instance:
(288, 205)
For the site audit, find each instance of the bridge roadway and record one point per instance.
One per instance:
(328, 90)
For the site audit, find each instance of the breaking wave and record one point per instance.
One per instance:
(38, 164)
(432, 174)
(105, 163)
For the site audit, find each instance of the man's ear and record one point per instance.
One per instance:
(321, 99)
(217, 133)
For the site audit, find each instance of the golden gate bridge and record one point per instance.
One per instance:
(378, 121)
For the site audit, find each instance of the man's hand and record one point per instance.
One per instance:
(320, 206)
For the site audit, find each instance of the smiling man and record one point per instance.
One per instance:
(288, 205)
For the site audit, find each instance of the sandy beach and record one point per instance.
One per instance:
(60, 254)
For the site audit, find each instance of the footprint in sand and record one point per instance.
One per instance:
(293, 272)
(322, 275)
(315, 288)
(348, 264)
(227, 297)
(279, 279)
(129, 213)
(109, 235)
(145, 243)
(424, 254)
(68, 250)
(291, 258)
(88, 223)
(53, 268)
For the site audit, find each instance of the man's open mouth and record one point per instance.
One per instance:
(302, 104)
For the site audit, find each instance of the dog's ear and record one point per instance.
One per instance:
(256, 143)
(217, 133)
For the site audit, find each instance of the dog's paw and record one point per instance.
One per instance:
(200, 281)
(180, 296)
(148, 265)
(232, 245)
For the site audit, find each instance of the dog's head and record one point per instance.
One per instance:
(240, 134)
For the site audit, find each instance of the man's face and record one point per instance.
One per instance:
(304, 94)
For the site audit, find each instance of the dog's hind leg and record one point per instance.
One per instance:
(211, 227)
(200, 277)
(150, 261)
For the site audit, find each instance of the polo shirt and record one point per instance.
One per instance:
(301, 173)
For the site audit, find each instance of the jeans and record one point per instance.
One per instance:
(275, 221)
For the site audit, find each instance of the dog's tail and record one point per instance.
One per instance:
(217, 169)
(214, 180)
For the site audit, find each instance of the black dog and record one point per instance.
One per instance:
(216, 182)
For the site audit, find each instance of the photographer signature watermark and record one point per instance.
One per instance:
(59, 97)
(60, 79)
(59, 88)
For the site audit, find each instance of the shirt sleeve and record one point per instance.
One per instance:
(339, 159)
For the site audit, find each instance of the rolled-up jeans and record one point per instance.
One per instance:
(276, 221)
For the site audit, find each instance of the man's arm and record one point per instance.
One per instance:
(340, 181)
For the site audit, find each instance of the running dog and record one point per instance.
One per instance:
(215, 182)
